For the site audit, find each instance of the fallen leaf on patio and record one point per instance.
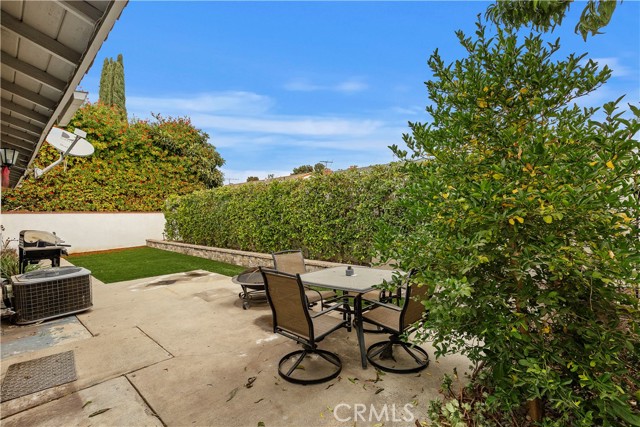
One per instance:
(301, 367)
(232, 394)
(86, 403)
(329, 386)
(353, 380)
(379, 390)
(250, 382)
(378, 375)
(99, 412)
(259, 400)
(260, 424)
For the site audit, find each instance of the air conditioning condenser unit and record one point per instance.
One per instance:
(51, 292)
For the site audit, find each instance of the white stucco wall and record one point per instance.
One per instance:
(88, 231)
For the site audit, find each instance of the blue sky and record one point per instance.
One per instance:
(281, 84)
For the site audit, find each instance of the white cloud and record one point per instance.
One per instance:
(351, 86)
(347, 86)
(615, 64)
(222, 102)
(607, 94)
(299, 85)
(285, 125)
(252, 138)
(409, 111)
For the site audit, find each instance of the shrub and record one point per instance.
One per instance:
(135, 166)
(523, 219)
(331, 217)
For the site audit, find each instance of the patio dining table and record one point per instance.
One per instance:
(362, 281)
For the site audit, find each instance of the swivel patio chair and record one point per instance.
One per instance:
(383, 295)
(293, 319)
(395, 355)
(292, 262)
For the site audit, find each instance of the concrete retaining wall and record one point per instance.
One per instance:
(231, 256)
(88, 231)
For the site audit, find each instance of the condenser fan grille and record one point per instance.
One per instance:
(42, 300)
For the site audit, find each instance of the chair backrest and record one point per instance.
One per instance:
(413, 310)
(286, 297)
(291, 262)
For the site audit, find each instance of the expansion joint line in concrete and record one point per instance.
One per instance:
(157, 343)
(85, 326)
(155, 413)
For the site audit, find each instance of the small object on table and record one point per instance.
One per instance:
(349, 271)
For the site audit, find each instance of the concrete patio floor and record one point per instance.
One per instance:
(179, 350)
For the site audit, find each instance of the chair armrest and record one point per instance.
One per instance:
(320, 313)
(383, 304)
(319, 295)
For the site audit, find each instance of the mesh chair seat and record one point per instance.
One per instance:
(314, 296)
(322, 326)
(383, 295)
(374, 295)
(383, 316)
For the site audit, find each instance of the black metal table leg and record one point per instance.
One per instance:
(357, 302)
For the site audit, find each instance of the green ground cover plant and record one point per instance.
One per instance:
(136, 263)
(332, 217)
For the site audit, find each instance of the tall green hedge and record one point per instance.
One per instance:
(135, 167)
(332, 217)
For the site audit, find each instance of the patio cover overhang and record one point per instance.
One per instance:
(47, 47)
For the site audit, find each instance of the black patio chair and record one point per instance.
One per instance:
(398, 320)
(293, 319)
(292, 262)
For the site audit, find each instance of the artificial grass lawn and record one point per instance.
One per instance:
(136, 263)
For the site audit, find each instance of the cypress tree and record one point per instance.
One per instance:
(118, 95)
(112, 83)
(105, 92)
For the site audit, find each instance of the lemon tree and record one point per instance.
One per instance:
(521, 209)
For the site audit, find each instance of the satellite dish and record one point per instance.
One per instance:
(68, 144)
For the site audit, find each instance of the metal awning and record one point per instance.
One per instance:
(47, 47)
